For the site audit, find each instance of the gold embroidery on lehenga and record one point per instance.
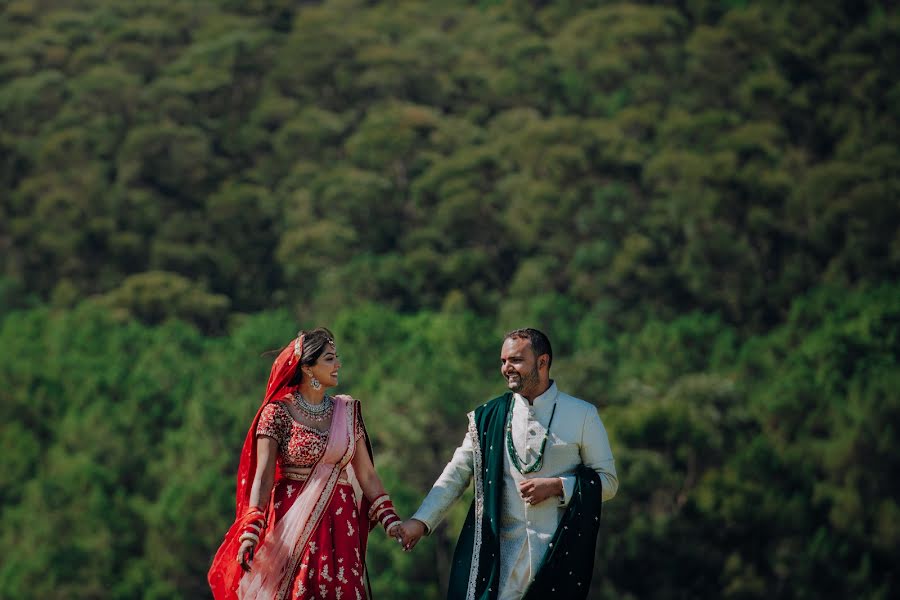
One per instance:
(319, 508)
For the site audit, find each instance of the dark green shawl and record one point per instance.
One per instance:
(475, 573)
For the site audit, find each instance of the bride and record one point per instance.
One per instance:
(307, 491)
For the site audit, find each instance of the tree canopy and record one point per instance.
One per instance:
(696, 200)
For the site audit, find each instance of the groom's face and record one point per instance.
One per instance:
(519, 366)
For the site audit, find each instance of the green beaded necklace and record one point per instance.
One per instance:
(513, 455)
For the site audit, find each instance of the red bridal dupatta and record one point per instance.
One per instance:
(282, 543)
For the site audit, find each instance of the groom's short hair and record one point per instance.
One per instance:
(540, 343)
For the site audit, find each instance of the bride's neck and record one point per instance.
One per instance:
(310, 395)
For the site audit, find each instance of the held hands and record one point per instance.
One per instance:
(534, 491)
(409, 532)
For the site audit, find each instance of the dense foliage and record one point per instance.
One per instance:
(697, 200)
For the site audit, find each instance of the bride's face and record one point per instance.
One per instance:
(327, 367)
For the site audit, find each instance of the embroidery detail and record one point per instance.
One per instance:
(299, 445)
(479, 507)
(318, 510)
(340, 575)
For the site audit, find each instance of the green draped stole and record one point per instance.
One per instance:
(566, 569)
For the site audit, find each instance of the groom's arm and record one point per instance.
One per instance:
(449, 486)
(595, 454)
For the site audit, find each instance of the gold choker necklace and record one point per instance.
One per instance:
(314, 412)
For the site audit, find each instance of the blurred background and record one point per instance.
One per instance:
(697, 200)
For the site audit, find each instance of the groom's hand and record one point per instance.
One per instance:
(410, 531)
(534, 491)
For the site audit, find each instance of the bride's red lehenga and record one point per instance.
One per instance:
(331, 565)
(314, 543)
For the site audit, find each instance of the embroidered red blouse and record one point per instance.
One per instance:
(298, 445)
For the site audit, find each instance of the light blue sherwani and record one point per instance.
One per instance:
(576, 436)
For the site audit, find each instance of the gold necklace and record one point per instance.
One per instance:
(313, 412)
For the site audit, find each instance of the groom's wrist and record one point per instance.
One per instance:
(424, 525)
(568, 487)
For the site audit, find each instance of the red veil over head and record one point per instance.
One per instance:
(225, 572)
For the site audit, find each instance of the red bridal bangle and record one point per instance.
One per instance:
(376, 503)
(382, 510)
(255, 515)
(388, 516)
(255, 522)
(249, 536)
(255, 510)
(390, 521)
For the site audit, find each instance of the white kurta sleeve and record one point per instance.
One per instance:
(596, 453)
(451, 484)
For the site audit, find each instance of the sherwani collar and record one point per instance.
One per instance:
(546, 399)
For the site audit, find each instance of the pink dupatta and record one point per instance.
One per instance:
(277, 557)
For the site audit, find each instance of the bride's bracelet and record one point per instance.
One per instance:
(253, 537)
(383, 511)
(256, 522)
(376, 504)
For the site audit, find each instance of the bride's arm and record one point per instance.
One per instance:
(365, 472)
(266, 451)
(382, 507)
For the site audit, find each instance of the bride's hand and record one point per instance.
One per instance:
(245, 554)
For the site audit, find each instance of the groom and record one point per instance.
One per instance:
(542, 468)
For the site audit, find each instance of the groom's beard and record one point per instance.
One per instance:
(525, 382)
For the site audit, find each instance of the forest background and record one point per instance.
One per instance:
(697, 200)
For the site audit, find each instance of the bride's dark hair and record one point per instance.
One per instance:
(314, 343)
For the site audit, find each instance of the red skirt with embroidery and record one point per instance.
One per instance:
(331, 566)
